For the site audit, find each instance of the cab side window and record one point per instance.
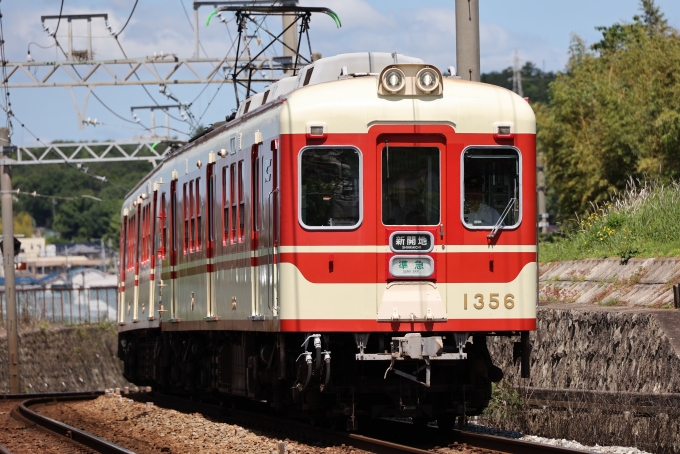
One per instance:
(330, 188)
(491, 187)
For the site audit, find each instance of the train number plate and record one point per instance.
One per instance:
(416, 266)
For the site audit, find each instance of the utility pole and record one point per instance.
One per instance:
(467, 40)
(289, 36)
(8, 261)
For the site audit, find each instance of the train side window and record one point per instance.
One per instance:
(143, 235)
(256, 195)
(210, 208)
(491, 187)
(173, 216)
(198, 214)
(163, 222)
(225, 206)
(241, 202)
(131, 242)
(234, 205)
(410, 186)
(330, 188)
(185, 207)
(192, 218)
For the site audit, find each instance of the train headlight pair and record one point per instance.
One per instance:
(410, 80)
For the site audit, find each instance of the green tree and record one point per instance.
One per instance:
(23, 224)
(535, 82)
(77, 219)
(614, 112)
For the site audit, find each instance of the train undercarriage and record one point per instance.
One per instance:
(343, 378)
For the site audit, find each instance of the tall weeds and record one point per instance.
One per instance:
(643, 220)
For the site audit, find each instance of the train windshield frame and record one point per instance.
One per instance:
(330, 188)
(411, 185)
(491, 178)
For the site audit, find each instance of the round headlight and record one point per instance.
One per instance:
(393, 80)
(427, 80)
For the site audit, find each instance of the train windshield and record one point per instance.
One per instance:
(410, 185)
(330, 188)
(491, 187)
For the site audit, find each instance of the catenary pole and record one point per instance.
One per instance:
(290, 35)
(8, 262)
(467, 39)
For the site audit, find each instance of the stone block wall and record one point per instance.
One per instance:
(64, 358)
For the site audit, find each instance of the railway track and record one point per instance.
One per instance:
(379, 439)
(385, 437)
(68, 438)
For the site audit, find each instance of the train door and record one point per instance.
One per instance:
(411, 209)
(123, 267)
(210, 241)
(152, 254)
(270, 225)
(258, 277)
(173, 249)
(137, 247)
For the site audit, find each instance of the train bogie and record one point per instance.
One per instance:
(344, 248)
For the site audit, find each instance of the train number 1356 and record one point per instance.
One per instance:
(493, 303)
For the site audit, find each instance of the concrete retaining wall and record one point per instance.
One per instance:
(639, 283)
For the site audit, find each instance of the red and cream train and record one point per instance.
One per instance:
(368, 214)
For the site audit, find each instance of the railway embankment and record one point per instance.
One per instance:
(601, 326)
(64, 358)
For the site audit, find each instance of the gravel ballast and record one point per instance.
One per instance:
(145, 428)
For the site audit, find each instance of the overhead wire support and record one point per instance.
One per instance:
(81, 153)
(244, 13)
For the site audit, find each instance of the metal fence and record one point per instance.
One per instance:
(69, 306)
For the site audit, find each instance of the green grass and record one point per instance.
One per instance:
(643, 221)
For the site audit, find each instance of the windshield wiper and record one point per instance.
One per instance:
(506, 211)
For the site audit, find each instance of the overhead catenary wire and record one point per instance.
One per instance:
(61, 9)
(3, 70)
(57, 197)
(95, 95)
(259, 26)
(120, 46)
(101, 178)
(192, 29)
(97, 123)
(128, 19)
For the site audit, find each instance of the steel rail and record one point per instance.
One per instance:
(4, 450)
(277, 424)
(359, 441)
(70, 432)
(508, 445)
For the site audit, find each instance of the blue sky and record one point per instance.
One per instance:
(540, 29)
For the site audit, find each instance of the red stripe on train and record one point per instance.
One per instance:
(474, 267)
(460, 325)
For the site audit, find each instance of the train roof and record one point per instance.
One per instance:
(467, 107)
(324, 70)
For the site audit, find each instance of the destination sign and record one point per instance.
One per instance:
(416, 242)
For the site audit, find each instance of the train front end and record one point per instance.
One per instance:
(408, 238)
